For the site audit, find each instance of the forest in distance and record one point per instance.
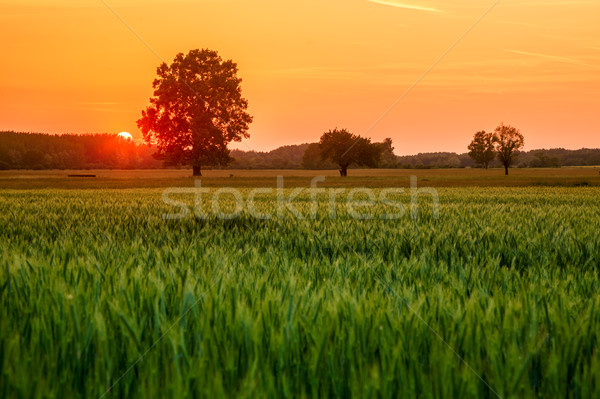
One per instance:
(40, 151)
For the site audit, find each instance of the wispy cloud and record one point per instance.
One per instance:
(401, 4)
(550, 57)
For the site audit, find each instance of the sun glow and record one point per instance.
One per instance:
(125, 135)
(540, 73)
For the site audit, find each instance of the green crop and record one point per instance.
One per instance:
(101, 297)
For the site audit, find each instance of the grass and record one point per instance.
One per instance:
(565, 177)
(101, 297)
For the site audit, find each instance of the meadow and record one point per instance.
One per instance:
(101, 297)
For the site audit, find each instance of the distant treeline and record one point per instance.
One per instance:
(308, 156)
(553, 158)
(72, 151)
(107, 151)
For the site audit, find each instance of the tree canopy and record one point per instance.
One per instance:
(481, 149)
(196, 110)
(345, 149)
(508, 141)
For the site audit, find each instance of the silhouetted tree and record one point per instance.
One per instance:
(388, 158)
(197, 109)
(481, 149)
(345, 149)
(508, 141)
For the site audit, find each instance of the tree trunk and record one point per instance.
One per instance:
(506, 170)
(197, 170)
(343, 170)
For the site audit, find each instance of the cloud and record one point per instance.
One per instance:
(401, 4)
(550, 57)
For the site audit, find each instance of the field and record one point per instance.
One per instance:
(100, 296)
(562, 177)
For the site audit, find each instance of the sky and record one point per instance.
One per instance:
(427, 74)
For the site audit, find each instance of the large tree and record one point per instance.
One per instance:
(196, 110)
(345, 149)
(508, 141)
(481, 149)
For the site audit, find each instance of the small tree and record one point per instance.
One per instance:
(387, 158)
(345, 149)
(508, 141)
(197, 109)
(481, 149)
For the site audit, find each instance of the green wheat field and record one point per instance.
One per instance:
(498, 297)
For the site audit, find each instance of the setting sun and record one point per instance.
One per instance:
(390, 198)
(533, 64)
(125, 135)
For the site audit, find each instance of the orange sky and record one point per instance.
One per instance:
(312, 65)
